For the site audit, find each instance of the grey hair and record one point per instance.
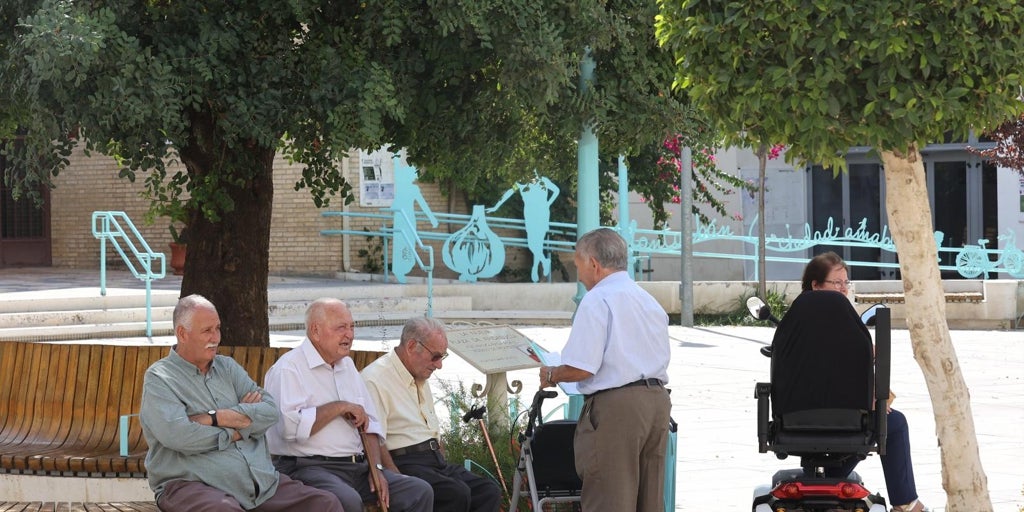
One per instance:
(186, 308)
(418, 328)
(606, 246)
(315, 311)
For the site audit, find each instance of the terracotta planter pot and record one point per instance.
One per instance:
(178, 258)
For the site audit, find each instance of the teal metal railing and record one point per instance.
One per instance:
(115, 227)
(971, 261)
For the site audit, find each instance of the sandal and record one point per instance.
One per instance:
(913, 506)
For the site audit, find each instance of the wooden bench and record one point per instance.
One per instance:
(39, 506)
(61, 405)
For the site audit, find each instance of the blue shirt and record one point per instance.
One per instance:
(619, 334)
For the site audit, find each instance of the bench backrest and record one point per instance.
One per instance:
(54, 395)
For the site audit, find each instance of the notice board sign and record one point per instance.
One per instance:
(493, 349)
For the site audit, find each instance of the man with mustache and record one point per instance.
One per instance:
(204, 420)
(324, 407)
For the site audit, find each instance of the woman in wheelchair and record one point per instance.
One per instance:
(828, 271)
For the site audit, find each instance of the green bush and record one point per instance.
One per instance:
(741, 316)
(466, 441)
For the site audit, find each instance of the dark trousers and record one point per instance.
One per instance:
(455, 488)
(350, 482)
(188, 496)
(896, 463)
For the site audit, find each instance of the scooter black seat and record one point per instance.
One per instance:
(822, 381)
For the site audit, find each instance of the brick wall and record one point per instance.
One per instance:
(91, 184)
(296, 246)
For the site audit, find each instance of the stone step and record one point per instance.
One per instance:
(366, 307)
(290, 323)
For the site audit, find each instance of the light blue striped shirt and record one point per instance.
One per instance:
(180, 449)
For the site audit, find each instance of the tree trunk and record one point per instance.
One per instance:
(228, 260)
(911, 223)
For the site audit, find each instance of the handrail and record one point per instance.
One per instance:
(110, 225)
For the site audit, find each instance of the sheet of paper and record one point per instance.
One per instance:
(554, 359)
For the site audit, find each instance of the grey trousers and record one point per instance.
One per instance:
(620, 444)
(350, 482)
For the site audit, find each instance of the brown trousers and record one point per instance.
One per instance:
(188, 496)
(620, 446)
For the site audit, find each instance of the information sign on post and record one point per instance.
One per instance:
(494, 350)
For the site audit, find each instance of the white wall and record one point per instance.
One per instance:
(1010, 185)
(786, 203)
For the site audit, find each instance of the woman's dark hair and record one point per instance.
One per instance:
(818, 268)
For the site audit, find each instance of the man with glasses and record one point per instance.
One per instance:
(398, 384)
(324, 408)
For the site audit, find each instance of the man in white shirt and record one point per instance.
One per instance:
(398, 384)
(324, 405)
(618, 351)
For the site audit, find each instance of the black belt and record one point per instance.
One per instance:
(324, 458)
(641, 382)
(428, 445)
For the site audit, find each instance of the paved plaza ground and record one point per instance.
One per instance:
(713, 372)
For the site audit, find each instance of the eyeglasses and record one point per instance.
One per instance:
(434, 356)
(838, 284)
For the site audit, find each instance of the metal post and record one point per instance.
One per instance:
(686, 231)
(624, 214)
(103, 254)
(588, 196)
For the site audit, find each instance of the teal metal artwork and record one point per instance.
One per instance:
(407, 196)
(474, 251)
(974, 260)
(538, 194)
(971, 261)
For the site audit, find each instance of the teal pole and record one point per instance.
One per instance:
(588, 196)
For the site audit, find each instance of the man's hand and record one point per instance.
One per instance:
(547, 376)
(382, 494)
(229, 418)
(252, 397)
(354, 414)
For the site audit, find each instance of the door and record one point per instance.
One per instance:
(24, 227)
(850, 200)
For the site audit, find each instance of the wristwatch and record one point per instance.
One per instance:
(213, 416)
(380, 466)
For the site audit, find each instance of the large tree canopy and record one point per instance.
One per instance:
(893, 74)
(476, 89)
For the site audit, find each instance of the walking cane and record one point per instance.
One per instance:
(477, 413)
(375, 475)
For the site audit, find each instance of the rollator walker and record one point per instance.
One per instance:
(546, 460)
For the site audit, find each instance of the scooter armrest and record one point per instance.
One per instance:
(762, 391)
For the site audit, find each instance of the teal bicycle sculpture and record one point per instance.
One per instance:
(974, 260)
